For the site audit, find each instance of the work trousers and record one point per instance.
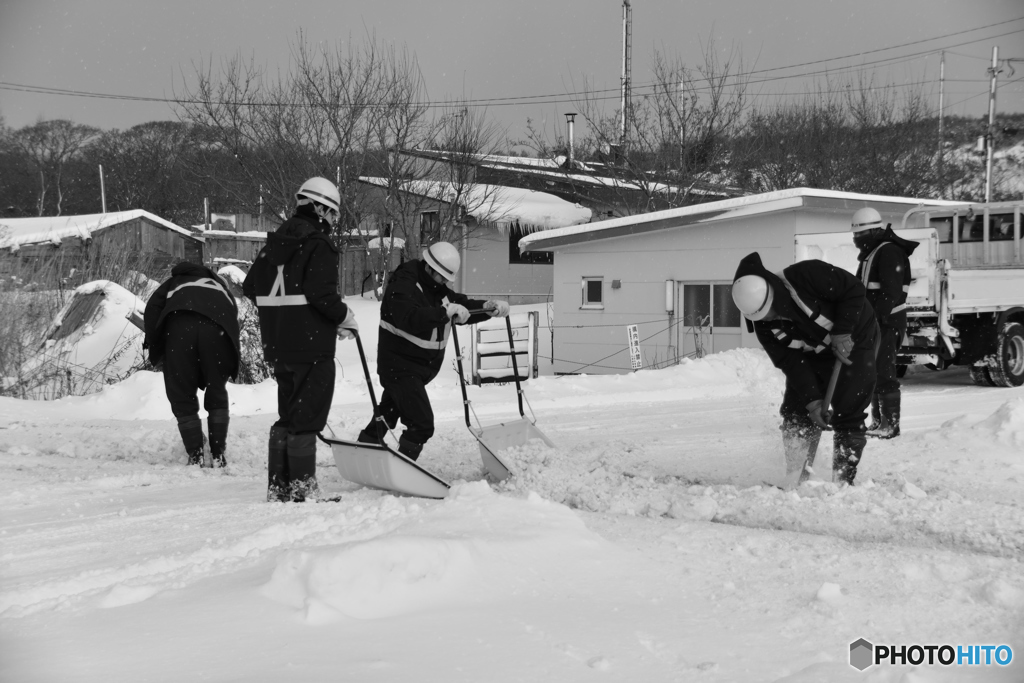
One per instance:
(304, 395)
(890, 339)
(198, 355)
(405, 397)
(852, 394)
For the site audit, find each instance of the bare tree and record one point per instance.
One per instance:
(677, 129)
(851, 136)
(51, 146)
(146, 167)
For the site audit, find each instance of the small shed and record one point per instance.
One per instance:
(228, 247)
(495, 218)
(670, 273)
(72, 239)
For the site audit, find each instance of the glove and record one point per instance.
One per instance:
(818, 413)
(349, 328)
(457, 311)
(496, 308)
(842, 346)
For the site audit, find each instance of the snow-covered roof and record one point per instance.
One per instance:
(583, 173)
(231, 233)
(392, 243)
(499, 205)
(724, 209)
(15, 232)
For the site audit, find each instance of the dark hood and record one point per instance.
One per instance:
(293, 234)
(415, 272)
(191, 269)
(889, 235)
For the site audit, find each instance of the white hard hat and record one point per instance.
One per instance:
(321, 191)
(753, 296)
(866, 219)
(444, 258)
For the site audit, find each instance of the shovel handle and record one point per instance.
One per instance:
(827, 414)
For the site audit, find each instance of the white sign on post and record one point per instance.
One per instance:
(634, 346)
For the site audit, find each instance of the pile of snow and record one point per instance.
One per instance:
(459, 552)
(102, 350)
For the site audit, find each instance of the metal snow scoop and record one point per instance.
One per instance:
(496, 438)
(826, 415)
(380, 466)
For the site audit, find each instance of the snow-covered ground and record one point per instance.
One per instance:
(647, 546)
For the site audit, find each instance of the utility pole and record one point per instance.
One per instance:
(103, 191)
(990, 135)
(627, 68)
(942, 148)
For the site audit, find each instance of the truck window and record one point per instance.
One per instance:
(1000, 227)
(972, 230)
(944, 227)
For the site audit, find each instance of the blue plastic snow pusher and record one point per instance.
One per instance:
(499, 437)
(377, 464)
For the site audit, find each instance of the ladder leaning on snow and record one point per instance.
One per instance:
(489, 341)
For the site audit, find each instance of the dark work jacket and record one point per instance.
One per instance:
(294, 284)
(885, 270)
(414, 327)
(190, 288)
(837, 305)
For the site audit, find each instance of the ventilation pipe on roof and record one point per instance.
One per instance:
(570, 119)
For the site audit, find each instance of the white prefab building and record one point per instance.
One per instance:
(670, 273)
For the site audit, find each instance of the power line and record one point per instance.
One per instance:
(526, 99)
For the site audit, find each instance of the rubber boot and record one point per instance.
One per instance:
(217, 425)
(876, 414)
(278, 479)
(409, 449)
(800, 443)
(848, 448)
(191, 429)
(302, 467)
(889, 407)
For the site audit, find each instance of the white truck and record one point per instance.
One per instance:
(966, 301)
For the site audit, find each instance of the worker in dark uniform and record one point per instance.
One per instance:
(191, 324)
(416, 315)
(806, 317)
(885, 271)
(294, 283)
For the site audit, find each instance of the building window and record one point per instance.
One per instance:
(593, 292)
(709, 305)
(430, 227)
(516, 233)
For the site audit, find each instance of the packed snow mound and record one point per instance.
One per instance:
(1006, 425)
(232, 274)
(88, 348)
(460, 551)
(719, 375)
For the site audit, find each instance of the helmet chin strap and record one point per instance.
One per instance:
(326, 215)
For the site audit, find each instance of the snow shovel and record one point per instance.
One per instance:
(826, 415)
(496, 438)
(377, 464)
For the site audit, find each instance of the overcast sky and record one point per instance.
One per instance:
(493, 48)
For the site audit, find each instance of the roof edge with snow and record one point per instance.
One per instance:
(748, 205)
(15, 232)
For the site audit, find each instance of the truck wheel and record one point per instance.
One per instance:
(901, 371)
(1007, 368)
(979, 373)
